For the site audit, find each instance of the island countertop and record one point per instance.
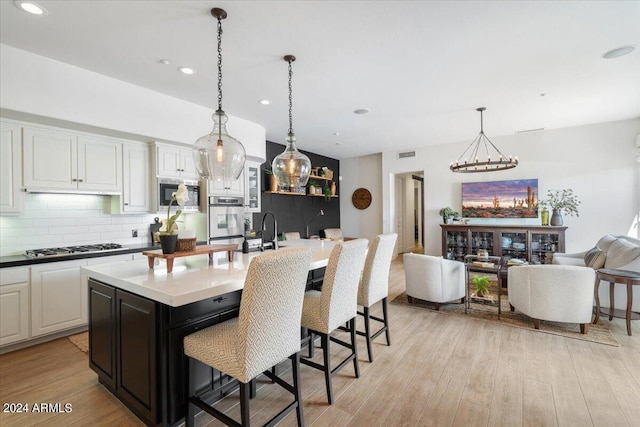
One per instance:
(193, 278)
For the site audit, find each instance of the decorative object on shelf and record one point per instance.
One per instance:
(544, 212)
(327, 194)
(562, 201)
(361, 198)
(448, 214)
(219, 156)
(321, 213)
(500, 199)
(333, 188)
(312, 186)
(470, 162)
(169, 229)
(186, 240)
(483, 255)
(291, 167)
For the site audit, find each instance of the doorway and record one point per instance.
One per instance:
(409, 211)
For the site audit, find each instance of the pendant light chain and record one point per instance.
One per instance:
(219, 63)
(290, 100)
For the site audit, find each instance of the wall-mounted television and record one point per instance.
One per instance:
(500, 199)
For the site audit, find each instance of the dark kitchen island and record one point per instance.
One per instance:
(139, 316)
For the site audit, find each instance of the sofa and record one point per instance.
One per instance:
(614, 252)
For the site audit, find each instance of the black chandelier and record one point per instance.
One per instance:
(472, 159)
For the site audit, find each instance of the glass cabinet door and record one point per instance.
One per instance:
(543, 246)
(252, 187)
(514, 244)
(481, 240)
(456, 244)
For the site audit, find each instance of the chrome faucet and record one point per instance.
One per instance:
(275, 229)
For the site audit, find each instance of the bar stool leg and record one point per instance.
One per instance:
(327, 366)
(245, 392)
(385, 316)
(295, 368)
(367, 332)
(356, 368)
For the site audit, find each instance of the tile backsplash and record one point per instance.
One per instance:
(53, 220)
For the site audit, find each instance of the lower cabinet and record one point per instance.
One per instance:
(14, 305)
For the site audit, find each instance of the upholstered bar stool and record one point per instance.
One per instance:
(292, 235)
(324, 311)
(374, 286)
(266, 332)
(333, 233)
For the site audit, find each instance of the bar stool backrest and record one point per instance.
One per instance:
(374, 284)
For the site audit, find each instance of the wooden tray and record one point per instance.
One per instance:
(199, 250)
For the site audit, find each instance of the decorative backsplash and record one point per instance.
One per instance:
(69, 219)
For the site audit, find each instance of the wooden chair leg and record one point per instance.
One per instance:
(385, 316)
(245, 391)
(584, 328)
(437, 306)
(356, 368)
(536, 323)
(367, 332)
(327, 366)
(410, 299)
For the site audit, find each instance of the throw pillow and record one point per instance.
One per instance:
(621, 252)
(595, 258)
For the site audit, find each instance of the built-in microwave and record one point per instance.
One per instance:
(166, 188)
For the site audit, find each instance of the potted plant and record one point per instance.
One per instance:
(169, 229)
(448, 214)
(311, 184)
(327, 193)
(482, 284)
(562, 201)
(273, 183)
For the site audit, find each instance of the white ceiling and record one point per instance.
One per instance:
(421, 67)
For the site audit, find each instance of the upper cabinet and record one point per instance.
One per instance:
(173, 161)
(10, 167)
(252, 174)
(55, 160)
(136, 179)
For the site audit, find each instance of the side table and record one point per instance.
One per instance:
(496, 269)
(624, 277)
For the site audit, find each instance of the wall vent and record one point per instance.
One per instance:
(406, 154)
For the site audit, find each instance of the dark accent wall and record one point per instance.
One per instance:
(295, 212)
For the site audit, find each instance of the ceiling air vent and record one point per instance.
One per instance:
(406, 154)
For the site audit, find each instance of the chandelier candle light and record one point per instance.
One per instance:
(218, 155)
(473, 163)
(291, 168)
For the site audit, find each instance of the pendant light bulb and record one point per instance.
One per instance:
(219, 156)
(291, 168)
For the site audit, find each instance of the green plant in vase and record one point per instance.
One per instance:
(482, 284)
(561, 201)
(327, 193)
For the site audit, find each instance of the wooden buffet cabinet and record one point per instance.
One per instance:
(535, 244)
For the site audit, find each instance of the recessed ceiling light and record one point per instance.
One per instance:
(338, 143)
(31, 7)
(264, 102)
(618, 52)
(543, 94)
(336, 133)
(362, 111)
(186, 70)
(164, 61)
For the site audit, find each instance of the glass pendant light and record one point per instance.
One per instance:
(291, 168)
(219, 156)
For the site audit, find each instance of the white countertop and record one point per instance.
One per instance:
(193, 278)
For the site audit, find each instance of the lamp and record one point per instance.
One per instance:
(291, 168)
(218, 155)
(321, 213)
(473, 163)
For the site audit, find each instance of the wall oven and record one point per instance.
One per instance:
(226, 220)
(166, 187)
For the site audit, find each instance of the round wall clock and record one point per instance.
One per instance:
(361, 198)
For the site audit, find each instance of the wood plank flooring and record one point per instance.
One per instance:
(441, 370)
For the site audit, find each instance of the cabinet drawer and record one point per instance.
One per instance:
(197, 310)
(13, 275)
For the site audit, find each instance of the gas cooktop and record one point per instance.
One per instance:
(69, 250)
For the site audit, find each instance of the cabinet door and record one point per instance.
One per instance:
(168, 161)
(136, 348)
(229, 188)
(187, 165)
(543, 246)
(58, 297)
(102, 330)
(14, 305)
(99, 164)
(10, 168)
(252, 187)
(513, 244)
(49, 159)
(136, 185)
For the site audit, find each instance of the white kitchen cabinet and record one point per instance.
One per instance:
(58, 297)
(14, 305)
(173, 161)
(136, 182)
(10, 168)
(54, 159)
(230, 188)
(252, 186)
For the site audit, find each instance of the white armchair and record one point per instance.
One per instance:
(558, 293)
(434, 279)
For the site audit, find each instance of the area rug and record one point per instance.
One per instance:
(598, 333)
(81, 341)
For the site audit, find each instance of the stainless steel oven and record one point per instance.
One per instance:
(226, 220)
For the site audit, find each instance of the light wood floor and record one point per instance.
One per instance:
(440, 370)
